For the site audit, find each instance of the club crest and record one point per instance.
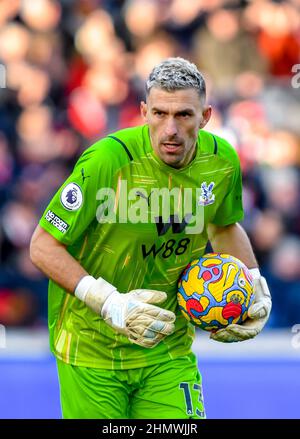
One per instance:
(207, 197)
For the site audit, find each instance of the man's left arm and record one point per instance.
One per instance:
(233, 240)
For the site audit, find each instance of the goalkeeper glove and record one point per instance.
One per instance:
(131, 314)
(258, 314)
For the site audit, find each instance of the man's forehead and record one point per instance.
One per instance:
(184, 98)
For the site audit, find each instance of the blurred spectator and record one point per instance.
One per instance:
(95, 38)
(224, 50)
(267, 230)
(282, 187)
(14, 42)
(142, 17)
(86, 113)
(40, 15)
(17, 307)
(8, 10)
(75, 70)
(278, 34)
(283, 273)
(6, 163)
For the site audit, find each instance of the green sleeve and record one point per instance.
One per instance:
(73, 207)
(231, 210)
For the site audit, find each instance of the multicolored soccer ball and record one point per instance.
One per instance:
(215, 291)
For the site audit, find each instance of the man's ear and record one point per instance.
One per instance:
(143, 108)
(205, 116)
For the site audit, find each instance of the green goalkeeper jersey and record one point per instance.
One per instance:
(128, 217)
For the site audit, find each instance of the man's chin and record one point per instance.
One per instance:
(171, 160)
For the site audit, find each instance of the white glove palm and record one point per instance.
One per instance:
(132, 314)
(258, 314)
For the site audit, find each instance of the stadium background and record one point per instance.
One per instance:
(73, 71)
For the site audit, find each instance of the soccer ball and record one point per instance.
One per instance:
(215, 291)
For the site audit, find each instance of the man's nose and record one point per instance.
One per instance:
(171, 127)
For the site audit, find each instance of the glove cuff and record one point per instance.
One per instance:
(83, 287)
(94, 292)
(255, 273)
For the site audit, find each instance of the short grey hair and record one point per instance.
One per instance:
(176, 74)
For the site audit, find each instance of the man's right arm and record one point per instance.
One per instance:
(52, 258)
(132, 314)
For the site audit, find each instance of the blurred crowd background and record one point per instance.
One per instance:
(72, 71)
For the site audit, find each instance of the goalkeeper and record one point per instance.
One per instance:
(114, 252)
